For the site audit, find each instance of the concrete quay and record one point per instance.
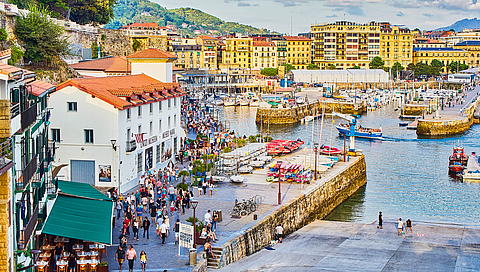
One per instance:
(453, 120)
(343, 246)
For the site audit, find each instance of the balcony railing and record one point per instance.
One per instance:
(14, 110)
(29, 116)
(26, 233)
(27, 174)
(131, 146)
(5, 153)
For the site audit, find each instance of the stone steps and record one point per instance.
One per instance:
(214, 263)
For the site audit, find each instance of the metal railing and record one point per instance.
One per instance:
(5, 151)
(29, 116)
(14, 110)
(26, 233)
(27, 174)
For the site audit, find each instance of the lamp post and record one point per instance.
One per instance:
(113, 142)
(315, 149)
(194, 204)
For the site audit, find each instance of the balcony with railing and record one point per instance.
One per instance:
(26, 233)
(6, 155)
(131, 146)
(29, 116)
(27, 174)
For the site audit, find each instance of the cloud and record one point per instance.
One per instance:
(355, 11)
(243, 4)
(400, 14)
(291, 3)
(465, 5)
(427, 15)
(332, 16)
(255, 5)
(337, 9)
(344, 3)
(373, 1)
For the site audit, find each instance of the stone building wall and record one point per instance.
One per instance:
(276, 116)
(5, 257)
(315, 204)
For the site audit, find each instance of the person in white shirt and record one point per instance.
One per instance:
(400, 226)
(279, 233)
(208, 218)
(163, 231)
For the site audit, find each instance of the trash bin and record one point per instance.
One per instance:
(193, 256)
(219, 214)
(255, 217)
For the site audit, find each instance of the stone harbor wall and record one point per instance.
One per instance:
(449, 127)
(315, 204)
(286, 116)
(414, 109)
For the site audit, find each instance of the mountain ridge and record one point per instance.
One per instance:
(189, 21)
(462, 24)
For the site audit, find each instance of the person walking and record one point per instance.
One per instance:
(72, 263)
(400, 226)
(131, 256)
(119, 207)
(214, 220)
(120, 256)
(163, 231)
(408, 225)
(146, 226)
(207, 218)
(143, 260)
(380, 220)
(135, 227)
(176, 228)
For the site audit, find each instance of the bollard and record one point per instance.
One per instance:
(193, 256)
(255, 217)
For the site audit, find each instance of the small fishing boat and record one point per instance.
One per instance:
(360, 132)
(300, 100)
(403, 124)
(257, 164)
(413, 125)
(245, 170)
(327, 150)
(229, 103)
(472, 172)
(237, 179)
(457, 161)
(244, 102)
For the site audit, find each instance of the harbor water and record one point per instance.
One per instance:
(407, 177)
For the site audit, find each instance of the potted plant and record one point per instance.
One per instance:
(103, 267)
(184, 174)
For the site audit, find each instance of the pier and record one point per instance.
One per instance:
(451, 120)
(344, 246)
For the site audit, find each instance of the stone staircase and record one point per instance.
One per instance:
(215, 263)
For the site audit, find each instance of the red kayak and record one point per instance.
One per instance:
(326, 150)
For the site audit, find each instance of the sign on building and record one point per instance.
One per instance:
(186, 236)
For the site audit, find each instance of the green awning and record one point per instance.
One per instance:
(81, 218)
(80, 189)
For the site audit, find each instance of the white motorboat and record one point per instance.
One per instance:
(229, 103)
(219, 179)
(472, 172)
(237, 179)
(244, 102)
(255, 102)
(300, 100)
(257, 164)
(245, 170)
(218, 102)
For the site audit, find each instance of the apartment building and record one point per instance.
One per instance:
(396, 45)
(473, 49)
(298, 51)
(264, 55)
(238, 53)
(428, 43)
(189, 57)
(345, 44)
(208, 55)
(444, 55)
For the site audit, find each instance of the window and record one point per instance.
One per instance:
(151, 127)
(175, 120)
(128, 135)
(158, 154)
(139, 162)
(160, 126)
(72, 106)
(139, 111)
(169, 103)
(139, 129)
(175, 102)
(168, 122)
(129, 114)
(151, 108)
(89, 136)
(160, 106)
(56, 134)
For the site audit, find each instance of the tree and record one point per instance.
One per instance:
(43, 40)
(82, 12)
(454, 67)
(411, 67)
(312, 66)
(417, 29)
(288, 67)
(436, 67)
(377, 63)
(397, 67)
(269, 71)
(332, 67)
(355, 67)
(3, 34)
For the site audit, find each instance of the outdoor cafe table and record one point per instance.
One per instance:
(45, 256)
(86, 264)
(48, 247)
(99, 247)
(42, 266)
(61, 264)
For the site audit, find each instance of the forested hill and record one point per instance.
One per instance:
(187, 20)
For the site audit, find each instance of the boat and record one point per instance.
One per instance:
(327, 150)
(472, 172)
(237, 179)
(360, 132)
(457, 161)
(300, 100)
(257, 164)
(244, 102)
(218, 102)
(219, 178)
(413, 125)
(229, 103)
(245, 170)
(403, 124)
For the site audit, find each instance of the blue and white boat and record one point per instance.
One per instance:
(360, 132)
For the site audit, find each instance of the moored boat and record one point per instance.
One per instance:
(457, 161)
(327, 150)
(472, 172)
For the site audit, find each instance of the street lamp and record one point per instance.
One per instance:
(315, 149)
(194, 204)
(113, 141)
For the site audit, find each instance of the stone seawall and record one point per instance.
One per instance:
(414, 109)
(295, 115)
(444, 127)
(315, 204)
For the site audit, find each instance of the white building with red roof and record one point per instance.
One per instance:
(111, 130)
(264, 55)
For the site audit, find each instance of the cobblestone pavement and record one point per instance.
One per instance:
(343, 246)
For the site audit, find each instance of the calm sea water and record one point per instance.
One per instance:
(406, 177)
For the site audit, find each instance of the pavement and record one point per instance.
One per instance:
(344, 246)
(454, 112)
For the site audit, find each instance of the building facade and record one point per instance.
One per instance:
(264, 55)
(189, 57)
(208, 57)
(396, 45)
(345, 44)
(473, 49)
(445, 55)
(298, 51)
(238, 53)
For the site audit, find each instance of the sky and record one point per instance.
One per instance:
(285, 16)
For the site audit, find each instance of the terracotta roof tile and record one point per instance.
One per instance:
(40, 87)
(141, 25)
(296, 38)
(6, 69)
(108, 65)
(152, 53)
(263, 43)
(206, 37)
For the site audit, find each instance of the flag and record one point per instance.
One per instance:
(139, 137)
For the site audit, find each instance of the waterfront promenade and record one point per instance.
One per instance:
(344, 246)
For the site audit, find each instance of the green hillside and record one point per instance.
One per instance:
(144, 11)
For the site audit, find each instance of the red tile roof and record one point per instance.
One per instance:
(296, 38)
(116, 90)
(39, 87)
(263, 43)
(6, 69)
(108, 65)
(206, 38)
(141, 25)
(152, 53)
(6, 53)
